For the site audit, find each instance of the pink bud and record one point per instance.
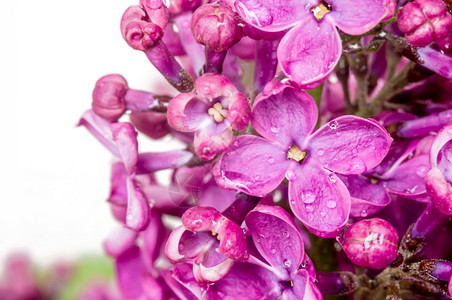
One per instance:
(108, 97)
(371, 243)
(216, 26)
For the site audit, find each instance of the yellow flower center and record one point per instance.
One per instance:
(218, 112)
(321, 10)
(296, 154)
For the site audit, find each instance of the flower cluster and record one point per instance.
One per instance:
(316, 137)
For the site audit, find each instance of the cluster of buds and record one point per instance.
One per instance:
(314, 134)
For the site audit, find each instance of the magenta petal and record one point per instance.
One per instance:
(183, 274)
(445, 161)
(309, 52)
(357, 18)
(129, 267)
(201, 218)
(213, 272)
(172, 250)
(436, 61)
(319, 199)
(137, 207)
(272, 15)
(408, 178)
(152, 288)
(280, 105)
(439, 190)
(303, 288)
(177, 118)
(208, 146)
(443, 137)
(153, 239)
(125, 137)
(366, 198)
(156, 161)
(119, 241)
(276, 237)
(349, 145)
(253, 165)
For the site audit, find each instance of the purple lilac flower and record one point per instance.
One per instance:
(286, 118)
(371, 243)
(212, 111)
(312, 47)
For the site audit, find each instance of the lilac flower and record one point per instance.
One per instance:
(286, 118)
(371, 243)
(439, 179)
(310, 50)
(212, 111)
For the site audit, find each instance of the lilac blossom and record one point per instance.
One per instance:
(310, 50)
(290, 149)
(212, 111)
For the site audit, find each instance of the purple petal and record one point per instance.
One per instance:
(137, 207)
(183, 274)
(349, 145)
(272, 15)
(125, 137)
(353, 18)
(284, 114)
(319, 199)
(172, 250)
(177, 117)
(212, 193)
(303, 288)
(152, 288)
(119, 241)
(208, 146)
(425, 125)
(153, 239)
(253, 165)
(366, 198)
(246, 281)
(309, 52)
(443, 137)
(152, 162)
(439, 191)
(436, 61)
(129, 267)
(277, 238)
(445, 161)
(408, 179)
(215, 271)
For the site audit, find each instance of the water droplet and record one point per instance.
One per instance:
(287, 263)
(129, 217)
(308, 197)
(206, 90)
(309, 208)
(331, 204)
(258, 240)
(270, 160)
(274, 129)
(273, 250)
(292, 202)
(449, 131)
(421, 171)
(290, 175)
(332, 177)
(320, 152)
(322, 214)
(257, 177)
(286, 233)
(411, 190)
(236, 143)
(357, 166)
(333, 125)
(363, 213)
(244, 230)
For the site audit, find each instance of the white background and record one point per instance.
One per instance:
(54, 177)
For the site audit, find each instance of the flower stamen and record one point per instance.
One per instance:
(296, 154)
(218, 112)
(321, 10)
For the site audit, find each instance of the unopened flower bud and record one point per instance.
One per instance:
(216, 26)
(108, 97)
(371, 243)
(424, 22)
(142, 35)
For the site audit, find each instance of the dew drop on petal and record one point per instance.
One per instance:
(270, 160)
(332, 177)
(308, 197)
(449, 131)
(309, 208)
(322, 214)
(331, 204)
(292, 202)
(286, 233)
(257, 177)
(333, 125)
(421, 171)
(274, 129)
(320, 152)
(291, 175)
(273, 250)
(363, 213)
(236, 143)
(358, 165)
(129, 217)
(287, 263)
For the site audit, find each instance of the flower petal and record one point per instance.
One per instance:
(137, 206)
(319, 199)
(129, 267)
(436, 61)
(125, 138)
(349, 145)
(358, 17)
(272, 15)
(366, 198)
(303, 288)
(309, 52)
(213, 271)
(253, 165)
(119, 241)
(276, 237)
(439, 190)
(155, 161)
(208, 146)
(284, 114)
(443, 137)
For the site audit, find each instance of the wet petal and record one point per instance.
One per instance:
(436, 61)
(439, 190)
(125, 138)
(366, 198)
(137, 206)
(186, 113)
(408, 178)
(276, 237)
(253, 165)
(445, 161)
(272, 15)
(358, 17)
(214, 270)
(208, 146)
(309, 52)
(349, 145)
(319, 199)
(284, 114)
(443, 137)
